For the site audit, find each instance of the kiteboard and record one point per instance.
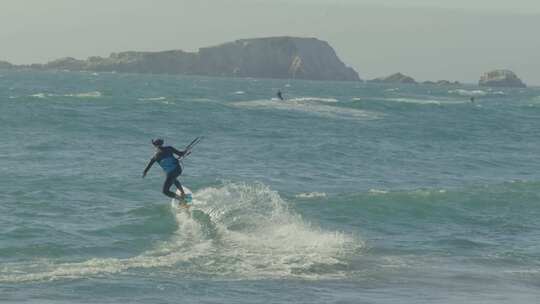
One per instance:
(188, 198)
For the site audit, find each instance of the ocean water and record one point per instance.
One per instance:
(344, 193)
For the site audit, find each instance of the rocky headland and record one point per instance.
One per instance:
(274, 57)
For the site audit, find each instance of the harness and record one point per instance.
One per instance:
(169, 164)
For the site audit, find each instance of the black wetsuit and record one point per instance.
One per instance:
(165, 158)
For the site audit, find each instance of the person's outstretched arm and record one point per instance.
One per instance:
(152, 161)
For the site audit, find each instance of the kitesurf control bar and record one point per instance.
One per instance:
(188, 148)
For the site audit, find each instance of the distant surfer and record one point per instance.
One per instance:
(280, 95)
(169, 163)
(472, 99)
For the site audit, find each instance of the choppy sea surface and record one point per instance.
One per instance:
(343, 193)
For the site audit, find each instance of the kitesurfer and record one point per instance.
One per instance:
(165, 157)
(280, 95)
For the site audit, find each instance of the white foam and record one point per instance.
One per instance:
(320, 99)
(161, 100)
(311, 195)
(239, 93)
(249, 233)
(468, 93)
(377, 191)
(40, 95)
(531, 272)
(415, 101)
(393, 262)
(265, 237)
(153, 98)
(426, 101)
(93, 94)
(308, 106)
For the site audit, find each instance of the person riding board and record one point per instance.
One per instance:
(169, 163)
(280, 95)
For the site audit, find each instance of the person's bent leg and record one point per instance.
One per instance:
(177, 183)
(167, 186)
(179, 186)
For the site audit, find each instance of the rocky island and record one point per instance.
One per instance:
(274, 57)
(501, 78)
(396, 78)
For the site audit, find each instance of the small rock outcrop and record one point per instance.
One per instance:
(273, 57)
(67, 63)
(442, 83)
(5, 65)
(501, 78)
(395, 78)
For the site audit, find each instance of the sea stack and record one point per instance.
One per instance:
(501, 78)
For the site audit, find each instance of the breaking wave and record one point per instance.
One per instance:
(311, 106)
(468, 93)
(237, 230)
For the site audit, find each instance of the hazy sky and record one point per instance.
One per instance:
(427, 39)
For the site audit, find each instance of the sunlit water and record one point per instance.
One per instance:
(344, 193)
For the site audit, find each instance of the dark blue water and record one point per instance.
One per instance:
(344, 193)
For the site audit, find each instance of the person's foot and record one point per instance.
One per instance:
(181, 198)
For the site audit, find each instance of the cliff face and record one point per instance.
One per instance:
(501, 78)
(277, 57)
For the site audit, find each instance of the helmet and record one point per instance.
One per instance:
(157, 142)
